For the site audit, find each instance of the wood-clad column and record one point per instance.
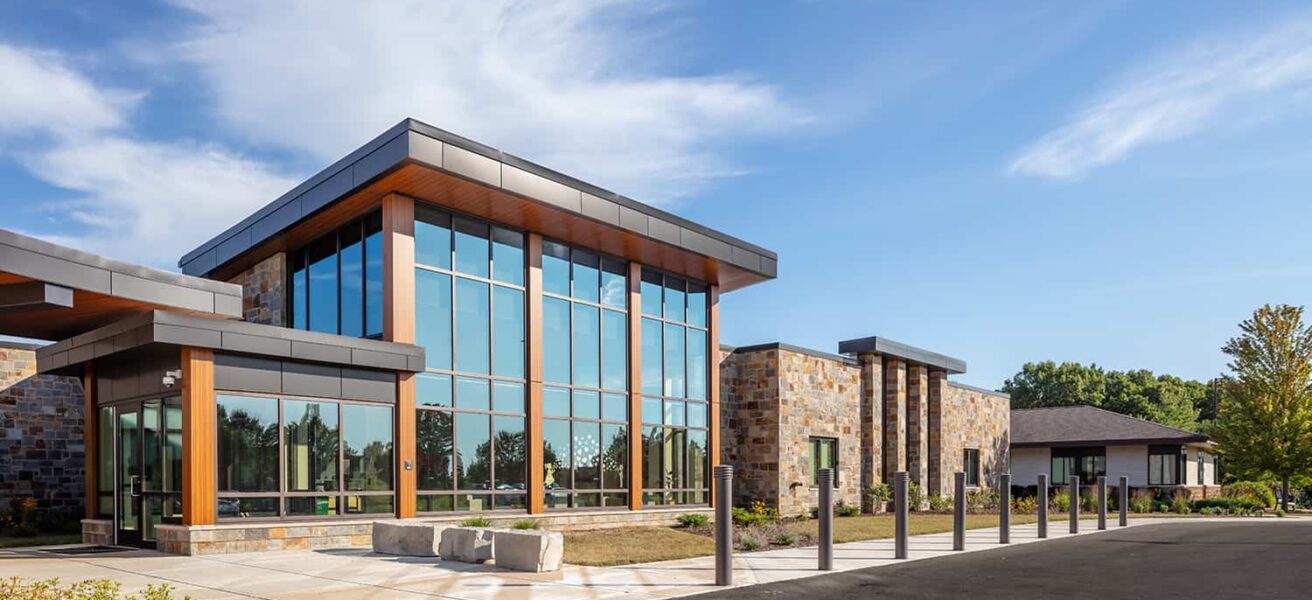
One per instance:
(534, 324)
(635, 386)
(713, 335)
(399, 326)
(91, 440)
(199, 424)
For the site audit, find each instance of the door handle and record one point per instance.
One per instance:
(136, 486)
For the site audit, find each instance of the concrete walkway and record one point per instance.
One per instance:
(333, 574)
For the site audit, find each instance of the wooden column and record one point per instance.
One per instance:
(635, 386)
(536, 475)
(713, 333)
(91, 440)
(199, 424)
(399, 326)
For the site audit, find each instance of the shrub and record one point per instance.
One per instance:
(979, 501)
(1088, 501)
(785, 538)
(750, 542)
(1163, 507)
(476, 522)
(1280, 512)
(878, 496)
(1220, 506)
(844, 510)
(1180, 502)
(1142, 501)
(1061, 501)
(758, 514)
(1024, 506)
(526, 524)
(1253, 491)
(694, 520)
(915, 496)
(91, 589)
(940, 503)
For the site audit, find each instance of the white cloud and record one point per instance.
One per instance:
(573, 85)
(1173, 98)
(140, 200)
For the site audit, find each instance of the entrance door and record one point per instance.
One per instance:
(149, 469)
(128, 434)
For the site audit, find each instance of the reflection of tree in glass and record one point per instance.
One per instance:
(248, 452)
(614, 460)
(371, 468)
(433, 456)
(551, 464)
(311, 430)
(510, 465)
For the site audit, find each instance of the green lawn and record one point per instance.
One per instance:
(40, 540)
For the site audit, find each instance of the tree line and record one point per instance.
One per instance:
(1166, 399)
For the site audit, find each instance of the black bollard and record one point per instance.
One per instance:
(1102, 503)
(1075, 504)
(959, 512)
(1043, 506)
(826, 482)
(723, 525)
(1004, 506)
(1124, 504)
(901, 513)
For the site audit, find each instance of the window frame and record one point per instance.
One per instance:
(298, 261)
(1077, 455)
(1174, 456)
(971, 466)
(813, 445)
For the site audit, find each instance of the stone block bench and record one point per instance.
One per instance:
(527, 550)
(466, 544)
(407, 537)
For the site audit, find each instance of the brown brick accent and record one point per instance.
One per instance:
(262, 297)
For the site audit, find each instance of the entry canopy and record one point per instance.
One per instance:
(51, 292)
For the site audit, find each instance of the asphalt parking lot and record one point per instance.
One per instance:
(1267, 558)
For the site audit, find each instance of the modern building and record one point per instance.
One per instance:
(876, 408)
(429, 327)
(1090, 442)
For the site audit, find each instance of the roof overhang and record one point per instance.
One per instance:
(1183, 440)
(236, 337)
(887, 347)
(438, 167)
(51, 292)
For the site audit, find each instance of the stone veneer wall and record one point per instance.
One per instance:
(262, 287)
(872, 419)
(974, 419)
(41, 436)
(818, 397)
(749, 424)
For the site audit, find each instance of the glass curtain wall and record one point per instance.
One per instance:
(675, 410)
(469, 317)
(585, 378)
(336, 282)
(297, 457)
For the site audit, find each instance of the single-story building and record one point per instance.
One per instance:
(1090, 442)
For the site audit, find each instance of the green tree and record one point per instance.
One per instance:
(1264, 422)
(1164, 399)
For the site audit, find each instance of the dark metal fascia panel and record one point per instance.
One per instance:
(847, 360)
(899, 350)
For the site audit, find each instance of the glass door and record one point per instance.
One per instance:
(149, 468)
(128, 434)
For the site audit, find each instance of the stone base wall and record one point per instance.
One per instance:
(977, 419)
(818, 397)
(42, 447)
(230, 538)
(749, 424)
(97, 532)
(262, 299)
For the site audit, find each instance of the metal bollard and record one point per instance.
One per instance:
(1075, 504)
(1043, 506)
(1102, 503)
(901, 513)
(1124, 504)
(959, 512)
(723, 525)
(1004, 505)
(826, 483)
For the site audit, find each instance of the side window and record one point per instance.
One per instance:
(970, 464)
(824, 454)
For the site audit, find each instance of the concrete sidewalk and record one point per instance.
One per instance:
(332, 574)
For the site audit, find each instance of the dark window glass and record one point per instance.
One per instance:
(614, 283)
(699, 464)
(300, 292)
(432, 238)
(507, 396)
(310, 437)
(970, 464)
(697, 363)
(555, 340)
(367, 446)
(247, 508)
(1062, 468)
(473, 322)
(653, 441)
(555, 268)
(352, 281)
(433, 389)
(433, 450)
(323, 285)
(510, 442)
(435, 503)
(373, 274)
(555, 402)
(615, 407)
(696, 304)
(587, 455)
(824, 455)
(508, 331)
(312, 506)
(587, 276)
(651, 357)
(473, 393)
(105, 445)
(614, 350)
(1164, 465)
(507, 256)
(587, 405)
(433, 317)
(473, 502)
(651, 293)
(471, 247)
(587, 344)
(248, 444)
(674, 357)
(556, 454)
(473, 451)
(615, 455)
(368, 505)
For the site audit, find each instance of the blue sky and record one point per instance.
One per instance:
(1118, 183)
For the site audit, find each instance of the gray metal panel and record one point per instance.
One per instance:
(320, 352)
(327, 191)
(906, 352)
(425, 149)
(202, 264)
(227, 305)
(285, 216)
(663, 230)
(362, 384)
(42, 267)
(540, 188)
(35, 294)
(236, 244)
(633, 220)
(247, 374)
(415, 363)
(186, 336)
(601, 209)
(747, 259)
(256, 344)
(136, 288)
(385, 157)
(306, 379)
(769, 266)
(378, 360)
(473, 166)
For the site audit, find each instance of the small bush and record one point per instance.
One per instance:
(694, 520)
(1088, 501)
(982, 501)
(91, 589)
(940, 503)
(1220, 506)
(758, 514)
(1061, 501)
(526, 524)
(1024, 506)
(1142, 501)
(915, 496)
(1253, 491)
(785, 538)
(1280, 512)
(476, 522)
(750, 542)
(1180, 502)
(844, 510)
(878, 496)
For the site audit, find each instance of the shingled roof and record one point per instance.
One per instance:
(1066, 426)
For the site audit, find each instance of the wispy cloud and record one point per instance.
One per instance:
(131, 198)
(574, 84)
(1174, 97)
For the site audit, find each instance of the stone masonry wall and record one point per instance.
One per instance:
(41, 435)
(974, 419)
(749, 424)
(918, 425)
(872, 419)
(895, 419)
(262, 285)
(818, 397)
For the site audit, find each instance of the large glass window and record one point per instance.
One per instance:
(675, 383)
(469, 313)
(336, 281)
(1165, 465)
(1087, 463)
(585, 363)
(336, 457)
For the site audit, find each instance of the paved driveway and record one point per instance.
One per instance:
(1266, 558)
